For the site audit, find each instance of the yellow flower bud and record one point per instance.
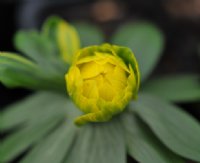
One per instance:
(101, 81)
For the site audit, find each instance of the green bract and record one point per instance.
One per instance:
(102, 80)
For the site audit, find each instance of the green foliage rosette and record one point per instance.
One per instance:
(102, 81)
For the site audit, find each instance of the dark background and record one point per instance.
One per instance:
(179, 20)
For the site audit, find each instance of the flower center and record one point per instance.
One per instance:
(102, 79)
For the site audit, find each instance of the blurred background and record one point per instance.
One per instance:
(179, 20)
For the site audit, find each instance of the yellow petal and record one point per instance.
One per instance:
(90, 70)
(92, 117)
(108, 68)
(73, 79)
(117, 78)
(90, 89)
(106, 91)
(68, 41)
(87, 105)
(99, 80)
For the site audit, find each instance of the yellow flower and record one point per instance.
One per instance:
(101, 81)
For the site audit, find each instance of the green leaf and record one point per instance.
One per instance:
(99, 143)
(26, 110)
(174, 127)
(143, 145)
(181, 88)
(89, 34)
(40, 49)
(63, 35)
(20, 112)
(53, 148)
(146, 41)
(21, 140)
(17, 71)
(34, 46)
(45, 110)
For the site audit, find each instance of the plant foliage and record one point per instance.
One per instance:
(151, 130)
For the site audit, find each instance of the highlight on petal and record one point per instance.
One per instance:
(64, 36)
(68, 41)
(101, 81)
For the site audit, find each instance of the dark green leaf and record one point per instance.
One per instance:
(17, 71)
(89, 34)
(181, 88)
(146, 41)
(143, 145)
(40, 49)
(53, 148)
(175, 128)
(99, 143)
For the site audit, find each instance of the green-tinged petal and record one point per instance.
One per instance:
(92, 117)
(130, 61)
(101, 58)
(93, 51)
(108, 110)
(68, 41)
(175, 128)
(147, 42)
(63, 35)
(132, 83)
